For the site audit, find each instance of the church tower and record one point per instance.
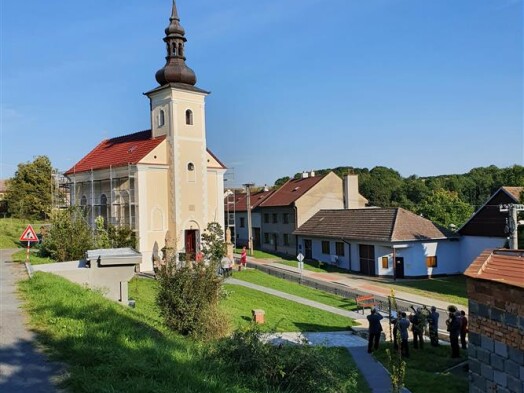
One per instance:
(178, 113)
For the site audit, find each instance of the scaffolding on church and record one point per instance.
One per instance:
(111, 196)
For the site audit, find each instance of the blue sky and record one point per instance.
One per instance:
(425, 87)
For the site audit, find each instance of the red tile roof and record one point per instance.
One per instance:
(256, 199)
(503, 266)
(120, 151)
(291, 191)
(372, 224)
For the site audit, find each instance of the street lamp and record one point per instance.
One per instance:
(249, 229)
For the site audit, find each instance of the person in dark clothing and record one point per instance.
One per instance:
(454, 331)
(403, 326)
(393, 319)
(417, 327)
(375, 329)
(463, 329)
(433, 326)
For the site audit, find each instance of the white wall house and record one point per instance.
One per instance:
(380, 242)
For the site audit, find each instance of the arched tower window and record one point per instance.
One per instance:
(191, 175)
(189, 117)
(173, 51)
(180, 49)
(190, 167)
(103, 208)
(161, 118)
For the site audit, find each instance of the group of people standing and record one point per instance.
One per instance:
(419, 320)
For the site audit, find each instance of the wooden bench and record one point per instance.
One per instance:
(365, 301)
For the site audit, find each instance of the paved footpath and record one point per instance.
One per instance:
(374, 373)
(23, 369)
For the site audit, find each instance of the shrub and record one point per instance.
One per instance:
(188, 298)
(287, 368)
(69, 236)
(121, 236)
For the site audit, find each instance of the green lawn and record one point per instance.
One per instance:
(11, 229)
(34, 258)
(110, 348)
(264, 255)
(425, 370)
(315, 266)
(266, 280)
(449, 289)
(280, 314)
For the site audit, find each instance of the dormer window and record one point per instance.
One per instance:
(161, 118)
(189, 117)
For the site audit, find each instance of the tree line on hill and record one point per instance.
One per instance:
(445, 199)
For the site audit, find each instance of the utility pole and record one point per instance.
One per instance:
(512, 223)
(249, 229)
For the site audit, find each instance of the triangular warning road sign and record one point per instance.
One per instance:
(29, 235)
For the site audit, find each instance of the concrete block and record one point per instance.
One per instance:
(514, 385)
(500, 378)
(472, 351)
(474, 338)
(497, 314)
(487, 343)
(516, 355)
(487, 372)
(512, 368)
(511, 320)
(484, 311)
(483, 356)
(522, 373)
(501, 349)
(478, 382)
(473, 307)
(497, 362)
(474, 366)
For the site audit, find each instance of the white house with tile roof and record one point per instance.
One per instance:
(380, 242)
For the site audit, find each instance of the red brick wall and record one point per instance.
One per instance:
(497, 304)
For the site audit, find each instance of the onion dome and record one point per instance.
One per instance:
(175, 70)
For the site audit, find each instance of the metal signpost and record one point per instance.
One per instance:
(29, 235)
(300, 258)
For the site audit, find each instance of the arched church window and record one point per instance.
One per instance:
(103, 209)
(161, 118)
(190, 167)
(83, 201)
(189, 117)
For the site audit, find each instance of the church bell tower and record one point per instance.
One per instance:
(178, 113)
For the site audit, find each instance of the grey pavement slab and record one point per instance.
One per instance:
(23, 369)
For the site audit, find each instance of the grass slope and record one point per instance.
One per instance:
(10, 231)
(110, 348)
(449, 289)
(34, 258)
(266, 280)
(425, 370)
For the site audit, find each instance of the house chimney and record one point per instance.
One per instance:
(266, 188)
(352, 198)
(305, 175)
(312, 174)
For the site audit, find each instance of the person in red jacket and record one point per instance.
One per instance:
(463, 329)
(243, 259)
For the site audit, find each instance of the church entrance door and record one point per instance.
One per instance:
(191, 237)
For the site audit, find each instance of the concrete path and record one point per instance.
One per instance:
(374, 372)
(23, 369)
